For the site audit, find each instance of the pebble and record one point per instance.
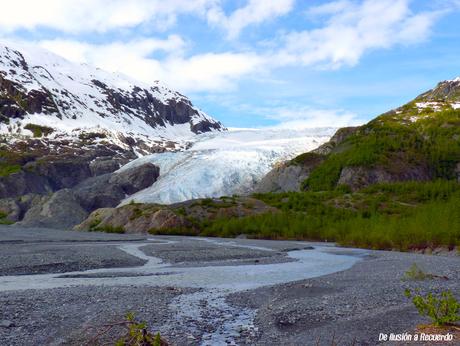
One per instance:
(6, 324)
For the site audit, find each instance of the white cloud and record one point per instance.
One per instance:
(77, 16)
(300, 116)
(350, 29)
(255, 12)
(203, 72)
(353, 28)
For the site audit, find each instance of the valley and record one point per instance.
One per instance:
(120, 197)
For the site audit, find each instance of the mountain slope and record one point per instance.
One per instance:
(41, 89)
(62, 123)
(419, 141)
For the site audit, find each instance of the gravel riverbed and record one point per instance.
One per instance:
(199, 291)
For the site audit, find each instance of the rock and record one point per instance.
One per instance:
(6, 324)
(289, 175)
(98, 192)
(22, 183)
(10, 209)
(132, 220)
(137, 178)
(338, 138)
(142, 218)
(357, 177)
(103, 165)
(283, 178)
(61, 210)
(108, 190)
(63, 172)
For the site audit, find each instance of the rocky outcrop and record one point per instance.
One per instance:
(61, 210)
(338, 138)
(49, 210)
(289, 175)
(109, 190)
(186, 216)
(43, 166)
(357, 177)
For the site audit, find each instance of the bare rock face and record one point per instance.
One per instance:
(10, 209)
(289, 175)
(137, 178)
(61, 210)
(338, 138)
(283, 178)
(359, 177)
(69, 207)
(109, 190)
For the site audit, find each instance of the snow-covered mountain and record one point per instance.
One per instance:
(224, 164)
(41, 89)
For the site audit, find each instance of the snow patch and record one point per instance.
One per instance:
(435, 105)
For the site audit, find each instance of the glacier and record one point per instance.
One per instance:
(225, 163)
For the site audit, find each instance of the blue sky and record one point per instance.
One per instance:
(256, 63)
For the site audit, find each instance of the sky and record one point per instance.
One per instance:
(258, 63)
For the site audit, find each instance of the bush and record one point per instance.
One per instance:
(415, 273)
(443, 309)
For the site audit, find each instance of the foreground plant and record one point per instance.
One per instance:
(443, 309)
(135, 334)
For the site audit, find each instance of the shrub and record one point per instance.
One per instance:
(443, 309)
(131, 331)
(415, 273)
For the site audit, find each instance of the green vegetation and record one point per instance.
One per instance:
(224, 202)
(7, 169)
(443, 309)
(131, 333)
(38, 130)
(394, 144)
(96, 226)
(403, 216)
(415, 273)
(306, 158)
(399, 216)
(87, 136)
(108, 229)
(4, 219)
(137, 334)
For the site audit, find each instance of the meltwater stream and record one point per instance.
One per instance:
(215, 282)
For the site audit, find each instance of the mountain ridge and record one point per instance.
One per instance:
(40, 88)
